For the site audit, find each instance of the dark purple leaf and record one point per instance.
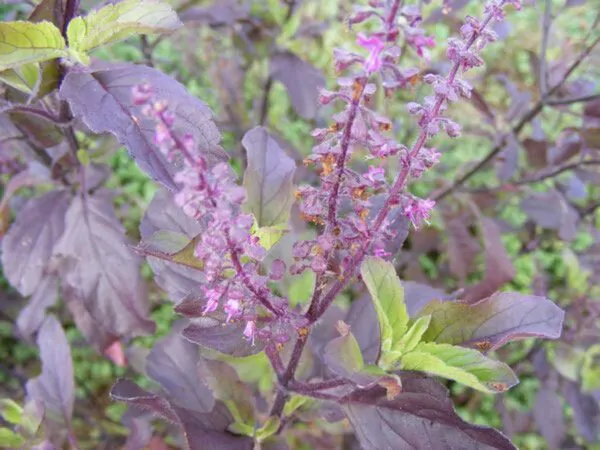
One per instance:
(586, 413)
(301, 79)
(27, 247)
(164, 215)
(492, 322)
(417, 295)
(568, 145)
(32, 316)
(508, 159)
(50, 10)
(202, 431)
(365, 327)
(548, 415)
(223, 337)
(574, 188)
(421, 417)
(479, 102)
(325, 330)
(221, 13)
(55, 387)
(40, 132)
(550, 210)
(499, 268)
(94, 332)
(172, 363)
(101, 98)
(537, 152)
(268, 178)
(462, 247)
(99, 270)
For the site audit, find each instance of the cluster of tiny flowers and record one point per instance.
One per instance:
(230, 254)
(343, 204)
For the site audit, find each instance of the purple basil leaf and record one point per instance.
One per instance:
(98, 268)
(221, 13)
(164, 215)
(492, 322)
(55, 387)
(301, 79)
(268, 178)
(537, 152)
(499, 268)
(324, 330)
(462, 248)
(202, 431)
(40, 132)
(417, 295)
(27, 247)
(32, 316)
(172, 363)
(365, 326)
(548, 415)
(550, 210)
(508, 159)
(421, 417)
(586, 412)
(50, 10)
(94, 332)
(223, 337)
(101, 98)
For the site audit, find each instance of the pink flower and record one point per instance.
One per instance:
(250, 330)
(418, 210)
(375, 46)
(233, 308)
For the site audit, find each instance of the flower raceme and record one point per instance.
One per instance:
(356, 211)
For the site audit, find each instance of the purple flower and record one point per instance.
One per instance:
(250, 330)
(418, 210)
(375, 46)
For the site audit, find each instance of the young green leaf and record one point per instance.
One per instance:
(25, 42)
(269, 428)
(388, 297)
(11, 411)
(119, 21)
(23, 78)
(464, 365)
(413, 336)
(10, 439)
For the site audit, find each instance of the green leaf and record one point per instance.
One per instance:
(10, 439)
(590, 369)
(11, 411)
(301, 288)
(269, 236)
(253, 369)
(172, 246)
(23, 78)
(413, 336)
(25, 42)
(269, 428)
(388, 297)
(463, 365)
(119, 21)
(295, 401)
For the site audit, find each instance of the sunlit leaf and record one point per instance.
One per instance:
(118, 21)
(27, 42)
(464, 365)
(388, 297)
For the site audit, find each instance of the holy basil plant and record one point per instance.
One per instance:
(295, 329)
